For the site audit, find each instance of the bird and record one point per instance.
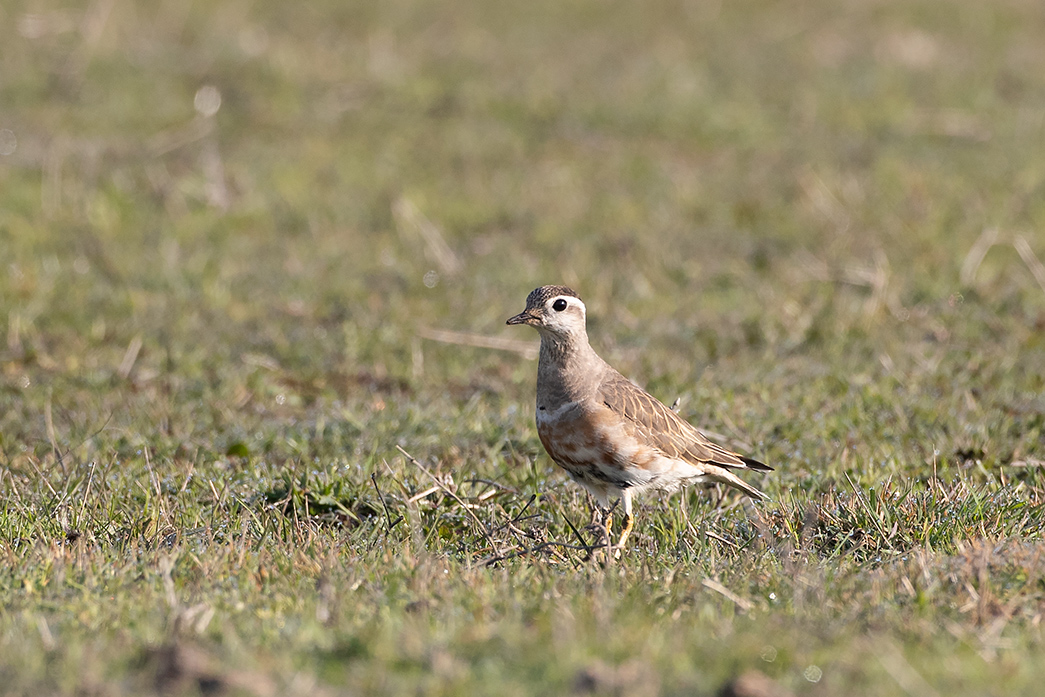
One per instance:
(610, 435)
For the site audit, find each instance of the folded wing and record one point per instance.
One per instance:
(657, 425)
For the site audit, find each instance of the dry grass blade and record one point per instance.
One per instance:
(715, 536)
(1037, 269)
(468, 509)
(976, 254)
(171, 139)
(526, 349)
(910, 680)
(406, 212)
(130, 356)
(741, 603)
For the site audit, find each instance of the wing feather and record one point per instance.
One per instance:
(648, 418)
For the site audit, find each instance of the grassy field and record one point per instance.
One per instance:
(254, 438)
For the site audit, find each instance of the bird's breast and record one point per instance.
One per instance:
(591, 443)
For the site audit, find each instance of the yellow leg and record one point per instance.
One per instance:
(629, 523)
(608, 523)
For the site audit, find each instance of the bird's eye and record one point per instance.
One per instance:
(559, 305)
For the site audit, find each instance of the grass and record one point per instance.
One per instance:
(233, 458)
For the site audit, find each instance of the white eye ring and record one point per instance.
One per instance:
(559, 305)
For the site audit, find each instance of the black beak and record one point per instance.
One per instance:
(523, 317)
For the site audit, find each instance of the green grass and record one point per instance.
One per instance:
(214, 334)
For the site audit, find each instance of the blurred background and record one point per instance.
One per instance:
(248, 248)
(218, 219)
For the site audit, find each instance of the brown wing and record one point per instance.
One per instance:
(663, 429)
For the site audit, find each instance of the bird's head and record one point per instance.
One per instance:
(557, 312)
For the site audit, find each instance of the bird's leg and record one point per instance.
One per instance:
(601, 524)
(607, 525)
(629, 522)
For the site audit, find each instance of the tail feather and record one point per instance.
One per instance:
(724, 476)
(753, 464)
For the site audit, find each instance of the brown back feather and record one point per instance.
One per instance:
(663, 429)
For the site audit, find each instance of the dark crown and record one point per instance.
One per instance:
(541, 295)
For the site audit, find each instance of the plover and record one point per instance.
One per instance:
(611, 436)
